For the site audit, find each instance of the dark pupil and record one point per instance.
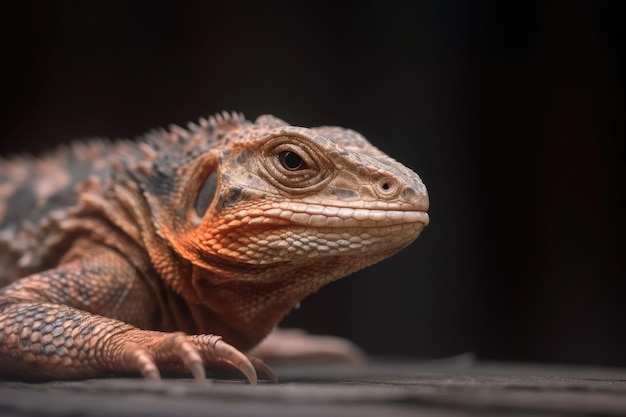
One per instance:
(290, 160)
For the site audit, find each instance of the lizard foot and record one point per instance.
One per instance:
(149, 352)
(47, 341)
(295, 344)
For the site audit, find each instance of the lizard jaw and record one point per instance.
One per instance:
(324, 216)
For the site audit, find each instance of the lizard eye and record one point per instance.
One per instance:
(294, 164)
(291, 161)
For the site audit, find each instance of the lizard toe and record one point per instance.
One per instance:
(218, 351)
(177, 347)
(136, 357)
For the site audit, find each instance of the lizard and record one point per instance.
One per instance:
(181, 250)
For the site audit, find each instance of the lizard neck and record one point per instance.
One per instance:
(249, 309)
(249, 305)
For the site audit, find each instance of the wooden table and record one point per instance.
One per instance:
(456, 386)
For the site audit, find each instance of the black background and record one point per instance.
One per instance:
(512, 113)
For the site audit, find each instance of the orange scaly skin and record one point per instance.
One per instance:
(184, 249)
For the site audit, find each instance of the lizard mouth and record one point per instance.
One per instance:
(332, 216)
(310, 230)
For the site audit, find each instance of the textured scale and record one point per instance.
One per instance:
(183, 249)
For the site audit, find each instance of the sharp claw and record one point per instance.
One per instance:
(263, 369)
(152, 375)
(142, 360)
(227, 353)
(197, 370)
(149, 370)
(190, 356)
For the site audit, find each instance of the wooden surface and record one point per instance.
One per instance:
(452, 387)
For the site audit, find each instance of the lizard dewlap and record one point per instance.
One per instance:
(182, 250)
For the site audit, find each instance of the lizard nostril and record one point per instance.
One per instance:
(386, 187)
(415, 195)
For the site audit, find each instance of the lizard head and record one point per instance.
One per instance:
(274, 212)
(281, 195)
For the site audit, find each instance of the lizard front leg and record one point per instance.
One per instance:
(53, 326)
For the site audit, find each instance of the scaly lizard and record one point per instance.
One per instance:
(181, 251)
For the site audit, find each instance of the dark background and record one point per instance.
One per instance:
(512, 113)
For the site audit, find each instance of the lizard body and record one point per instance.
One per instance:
(187, 246)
